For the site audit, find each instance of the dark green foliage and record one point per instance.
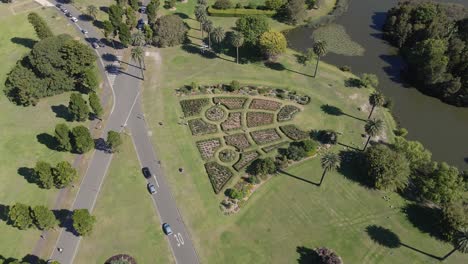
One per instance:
(124, 34)
(170, 4)
(151, 11)
(295, 152)
(62, 136)
(44, 219)
(78, 108)
(235, 85)
(43, 173)
(274, 4)
(262, 167)
(22, 86)
(169, 30)
(19, 216)
(131, 18)
(432, 39)
(95, 104)
(414, 151)
(83, 221)
(222, 4)
(108, 29)
(88, 80)
(454, 218)
(114, 140)
(252, 27)
(133, 4)
(40, 26)
(386, 168)
(82, 140)
(309, 145)
(115, 15)
(401, 132)
(369, 80)
(64, 174)
(295, 11)
(234, 194)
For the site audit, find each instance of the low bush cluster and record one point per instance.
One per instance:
(233, 122)
(265, 136)
(287, 113)
(238, 141)
(255, 119)
(263, 104)
(294, 133)
(239, 12)
(219, 175)
(227, 155)
(207, 148)
(274, 146)
(199, 127)
(215, 113)
(231, 103)
(193, 107)
(245, 159)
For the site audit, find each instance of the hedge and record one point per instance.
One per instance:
(238, 12)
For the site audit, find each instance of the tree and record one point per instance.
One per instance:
(114, 140)
(368, 79)
(64, 174)
(124, 34)
(320, 49)
(414, 151)
(138, 38)
(40, 26)
(169, 31)
(386, 168)
(443, 184)
(92, 11)
(108, 29)
(148, 33)
(327, 256)
(274, 4)
(78, 108)
(263, 167)
(461, 241)
(82, 140)
(295, 11)
(376, 99)
(237, 40)
(19, 216)
(296, 153)
(151, 11)
(88, 80)
(43, 218)
(201, 16)
(252, 27)
(131, 20)
(208, 28)
(218, 35)
(234, 86)
(83, 221)
(373, 128)
(43, 172)
(222, 4)
(62, 136)
(453, 219)
(22, 86)
(133, 4)
(329, 161)
(137, 54)
(115, 15)
(272, 44)
(95, 104)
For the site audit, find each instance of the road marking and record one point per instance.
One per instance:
(131, 109)
(157, 183)
(180, 238)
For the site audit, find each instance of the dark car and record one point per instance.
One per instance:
(68, 14)
(146, 172)
(142, 9)
(100, 43)
(167, 229)
(58, 5)
(140, 24)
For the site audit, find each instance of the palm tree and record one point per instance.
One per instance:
(460, 243)
(138, 38)
(329, 161)
(218, 35)
(376, 99)
(200, 15)
(237, 40)
(208, 27)
(373, 128)
(320, 49)
(92, 10)
(137, 54)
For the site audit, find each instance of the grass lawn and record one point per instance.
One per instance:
(102, 6)
(126, 220)
(20, 126)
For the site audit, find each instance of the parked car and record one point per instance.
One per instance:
(68, 14)
(95, 45)
(146, 172)
(142, 9)
(151, 188)
(64, 9)
(140, 24)
(74, 19)
(58, 5)
(167, 229)
(100, 43)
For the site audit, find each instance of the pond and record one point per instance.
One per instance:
(357, 42)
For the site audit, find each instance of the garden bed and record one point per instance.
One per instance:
(274, 146)
(231, 103)
(265, 136)
(198, 127)
(227, 155)
(215, 113)
(255, 119)
(287, 113)
(233, 122)
(294, 133)
(207, 148)
(238, 141)
(263, 104)
(193, 107)
(219, 175)
(245, 159)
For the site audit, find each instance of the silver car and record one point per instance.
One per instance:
(151, 188)
(74, 19)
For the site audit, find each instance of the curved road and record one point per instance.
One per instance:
(126, 112)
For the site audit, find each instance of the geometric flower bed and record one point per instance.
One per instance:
(274, 146)
(234, 121)
(215, 113)
(193, 107)
(265, 136)
(208, 147)
(199, 127)
(294, 133)
(264, 104)
(227, 155)
(231, 103)
(238, 141)
(246, 158)
(287, 113)
(255, 119)
(219, 175)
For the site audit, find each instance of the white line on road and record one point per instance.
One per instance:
(131, 109)
(157, 183)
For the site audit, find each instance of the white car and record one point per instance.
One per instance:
(84, 31)
(74, 19)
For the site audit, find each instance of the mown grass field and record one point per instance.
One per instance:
(20, 126)
(126, 220)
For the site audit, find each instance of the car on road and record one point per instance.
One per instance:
(63, 9)
(74, 19)
(146, 172)
(167, 229)
(58, 5)
(100, 43)
(95, 45)
(84, 31)
(140, 24)
(151, 188)
(142, 9)
(68, 14)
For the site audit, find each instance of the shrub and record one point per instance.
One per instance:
(40, 26)
(295, 152)
(309, 145)
(95, 104)
(199, 127)
(78, 108)
(327, 256)
(401, 132)
(239, 12)
(345, 68)
(219, 175)
(193, 86)
(262, 167)
(294, 133)
(169, 30)
(114, 140)
(82, 140)
(207, 148)
(368, 80)
(227, 155)
(274, 4)
(193, 107)
(272, 44)
(235, 85)
(287, 113)
(234, 194)
(222, 4)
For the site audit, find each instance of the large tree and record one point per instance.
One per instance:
(43, 173)
(114, 140)
(329, 161)
(414, 151)
(201, 16)
(124, 34)
(252, 27)
(78, 108)
(62, 136)
(295, 11)
(82, 140)
(116, 13)
(208, 28)
(376, 99)
(320, 49)
(64, 174)
(19, 216)
(272, 44)
(92, 11)
(373, 128)
(169, 30)
(88, 80)
(263, 167)
(151, 11)
(237, 40)
(218, 35)
(83, 221)
(43, 218)
(95, 104)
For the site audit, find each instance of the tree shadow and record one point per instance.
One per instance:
(104, 9)
(4, 210)
(85, 17)
(297, 178)
(64, 217)
(274, 66)
(336, 111)
(47, 140)
(353, 82)
(61, 111)
(28, 173)
(26, 42)
(100, 144)
(91, 40)
(99, 24)
(307, 256)
(33, 259)
(348, 146)
(394, 67)
(181, 15)
(192, 49)
(131, 75)
(113, 69)
(352, 167)
(109, 57)
(426, 219)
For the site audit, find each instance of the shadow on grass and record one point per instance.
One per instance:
(61, 111)
(336, 111)
(192, 49)
(353, 82)
(426, 219)
(348, 146)
(99, 24)
(4, 209)
(297, 178)
(307, 256)
(47, 140)
(28, 174)
(104, 9)
(85, 17)
(352, 166)
(64, 217)
(182, 15)
(280, 67)
(26, 42)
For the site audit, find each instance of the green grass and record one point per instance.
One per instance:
(19, 127)
(126, 220)
(83, 4)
